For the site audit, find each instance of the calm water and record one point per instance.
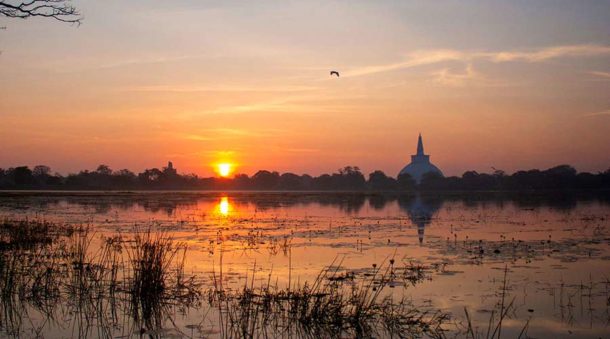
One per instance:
(556, 248)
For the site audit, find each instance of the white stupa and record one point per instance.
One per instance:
(420, 164)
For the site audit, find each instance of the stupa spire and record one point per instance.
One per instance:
(420, 146)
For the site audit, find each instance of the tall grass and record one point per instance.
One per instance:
(327, 307)
(157, 265)
(69, 273)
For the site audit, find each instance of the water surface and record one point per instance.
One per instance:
(554, 249)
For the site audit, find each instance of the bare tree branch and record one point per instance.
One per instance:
(60, 10)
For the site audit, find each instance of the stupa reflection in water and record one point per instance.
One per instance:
(420, 210)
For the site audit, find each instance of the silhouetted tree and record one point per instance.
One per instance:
(60, 10)
(150, 177)
(265, 180)
(565, 171)
(241, 181)
(41, 171)
(103, 170)
(3, 181)
(472, 180)
(322, 182)
(42, 176)
(348, 178)
(22, 176)
(560, 177)
(290, 181)
(378, 181)
(124, 179)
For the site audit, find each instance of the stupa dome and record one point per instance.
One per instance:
(420, 164)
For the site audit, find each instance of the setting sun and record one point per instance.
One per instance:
(224, 169)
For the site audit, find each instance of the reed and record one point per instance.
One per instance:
(327, 307)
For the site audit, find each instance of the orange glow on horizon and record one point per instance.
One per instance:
(231, 104)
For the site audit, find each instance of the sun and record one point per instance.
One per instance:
(224, 169)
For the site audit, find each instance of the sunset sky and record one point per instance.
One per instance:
(509, 84)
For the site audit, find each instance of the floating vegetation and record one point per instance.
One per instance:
(27, 234)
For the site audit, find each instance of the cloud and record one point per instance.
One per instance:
(149, 60)
(224, 133)
(446, 77)
(429, 57)
(192, 89)
(594, 114)
(301, 150)
(469, 77)
(198, 137)
(548, 53)
(601, 75)
(309, 104)
(415, 59)
(268, 106)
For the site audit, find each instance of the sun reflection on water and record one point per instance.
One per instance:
(224, 207)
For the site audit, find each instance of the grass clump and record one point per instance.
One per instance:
(52, 274)
(325, 308)
(157, 268)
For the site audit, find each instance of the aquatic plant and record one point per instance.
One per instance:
(326, 307)
(496, 317)
(157, 266)
(63, 277)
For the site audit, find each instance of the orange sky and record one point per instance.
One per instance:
(502, 84)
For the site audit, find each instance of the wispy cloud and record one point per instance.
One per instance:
(198, 137)
(193, 89)
(447, 77)
(594, 114)
(148, 60)
(301, 150)
(587, 50)
(601, 75)
(224, 133)
(429, 57)
(468, 77)
(268, 106)
(309, 104)
(415, 59)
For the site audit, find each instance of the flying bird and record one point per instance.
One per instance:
(334, 73)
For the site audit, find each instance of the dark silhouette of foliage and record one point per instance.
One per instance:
(265, 180)
(349, 178)
(378, 181)
(22, 176)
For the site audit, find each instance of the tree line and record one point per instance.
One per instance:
(349, 178)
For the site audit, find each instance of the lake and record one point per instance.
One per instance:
(534, 265)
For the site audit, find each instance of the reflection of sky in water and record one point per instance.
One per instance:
(545, 242)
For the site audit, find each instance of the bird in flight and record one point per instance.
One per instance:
(334, 73)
